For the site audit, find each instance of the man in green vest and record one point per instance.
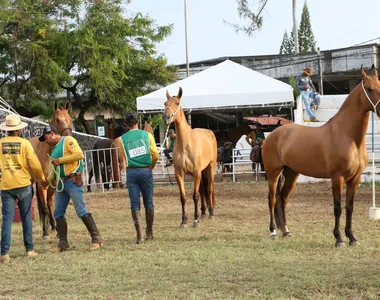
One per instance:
(67, 158)
(141, 156)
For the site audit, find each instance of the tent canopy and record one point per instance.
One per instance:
(227, 85)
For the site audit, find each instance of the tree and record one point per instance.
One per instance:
(100, 58)
(306, 37)
(287, 45)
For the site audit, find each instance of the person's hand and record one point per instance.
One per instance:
(314, 90)
(44, 184)
(55, 162)
(305, 88)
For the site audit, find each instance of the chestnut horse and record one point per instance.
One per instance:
(336, 150)
(61, 121)
(194, 153)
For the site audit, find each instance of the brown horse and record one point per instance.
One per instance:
(336, 150)
(194, 153)
(61, 121)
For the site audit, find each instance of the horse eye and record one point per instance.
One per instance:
(370, 90)
(58, 120)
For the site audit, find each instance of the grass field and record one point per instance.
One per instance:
(229, 257)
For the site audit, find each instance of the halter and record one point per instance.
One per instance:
(374, 106)
(64, 129)
(173, 113)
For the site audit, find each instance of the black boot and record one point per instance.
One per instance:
(63, 244)
(136, 215)
(149, 214)
(96, 240)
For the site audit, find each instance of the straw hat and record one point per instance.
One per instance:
(307, 71)
(12, 123)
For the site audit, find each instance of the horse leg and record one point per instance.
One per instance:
(90, 174)
(337, 187)
(210, 192)
(203, 198)
(272, 187)
(197, 182)
(290, 182)
(50, 205)
(43, 210)
(180, 178)
(352, 186)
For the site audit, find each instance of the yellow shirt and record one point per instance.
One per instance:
(17, 157)
(72, 154)
(152, 146)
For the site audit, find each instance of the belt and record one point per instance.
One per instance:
(70, 176)
(142, 168)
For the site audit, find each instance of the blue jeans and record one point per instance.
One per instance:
(316, 101)
(70, 190)
(140, 180)
(8, 199)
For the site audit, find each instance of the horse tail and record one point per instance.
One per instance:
(278, 211)
(39, 205)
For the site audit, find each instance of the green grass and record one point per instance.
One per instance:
(229, 257)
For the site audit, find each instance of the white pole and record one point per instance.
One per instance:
(187, 51)
(374, 213)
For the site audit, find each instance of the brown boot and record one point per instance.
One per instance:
(149, 215)
(136, 215)
(314, 119)
(96, 240)
(63, 244)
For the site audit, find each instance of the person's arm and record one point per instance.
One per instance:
(311, 84)
(76, 152)
(251, 136)
(153, 150)
(34, 162)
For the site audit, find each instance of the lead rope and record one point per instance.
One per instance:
(57, 173)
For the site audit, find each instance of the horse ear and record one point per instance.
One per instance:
(55, 105)
(364, 75)
(179, 93)
(374, 70)
(67, 105)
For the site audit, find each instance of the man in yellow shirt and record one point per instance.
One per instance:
(17, 157)
(141, 156)
(67, 157)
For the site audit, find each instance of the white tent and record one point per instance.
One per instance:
(227, 85)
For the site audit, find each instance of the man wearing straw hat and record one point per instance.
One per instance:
(17, 157)
(307, 89)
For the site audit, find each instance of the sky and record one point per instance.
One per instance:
(335, 24)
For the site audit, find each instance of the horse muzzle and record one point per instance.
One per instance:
(378, 111)
(166, 118)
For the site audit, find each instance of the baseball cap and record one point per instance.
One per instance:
(170, 132)
(47, 129)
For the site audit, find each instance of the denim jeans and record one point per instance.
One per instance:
(8, 199)
(140, 180)
(316, 101)
(167, 153)
(70, 190)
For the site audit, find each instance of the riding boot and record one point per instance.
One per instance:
(63, 244)
(136, 215)
(149, 216)
(96, 240)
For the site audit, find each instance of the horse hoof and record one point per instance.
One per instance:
(340, 244)
(203, 216)
(195, 224)
(46, 238)
(354, 243)
(183, 225)
(211, 217)
(287, 234)
(273, 236)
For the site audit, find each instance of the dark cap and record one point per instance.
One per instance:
(47, 129)
(170, 132)
(130, 118)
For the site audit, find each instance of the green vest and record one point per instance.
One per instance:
(58, 151)
(172, 141)
(136, 146)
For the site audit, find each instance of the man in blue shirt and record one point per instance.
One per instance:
(306, 86)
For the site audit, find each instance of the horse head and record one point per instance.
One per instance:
(371, 91)
(61, 119)
(172, 106)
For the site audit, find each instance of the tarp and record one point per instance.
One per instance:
(227, 85)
